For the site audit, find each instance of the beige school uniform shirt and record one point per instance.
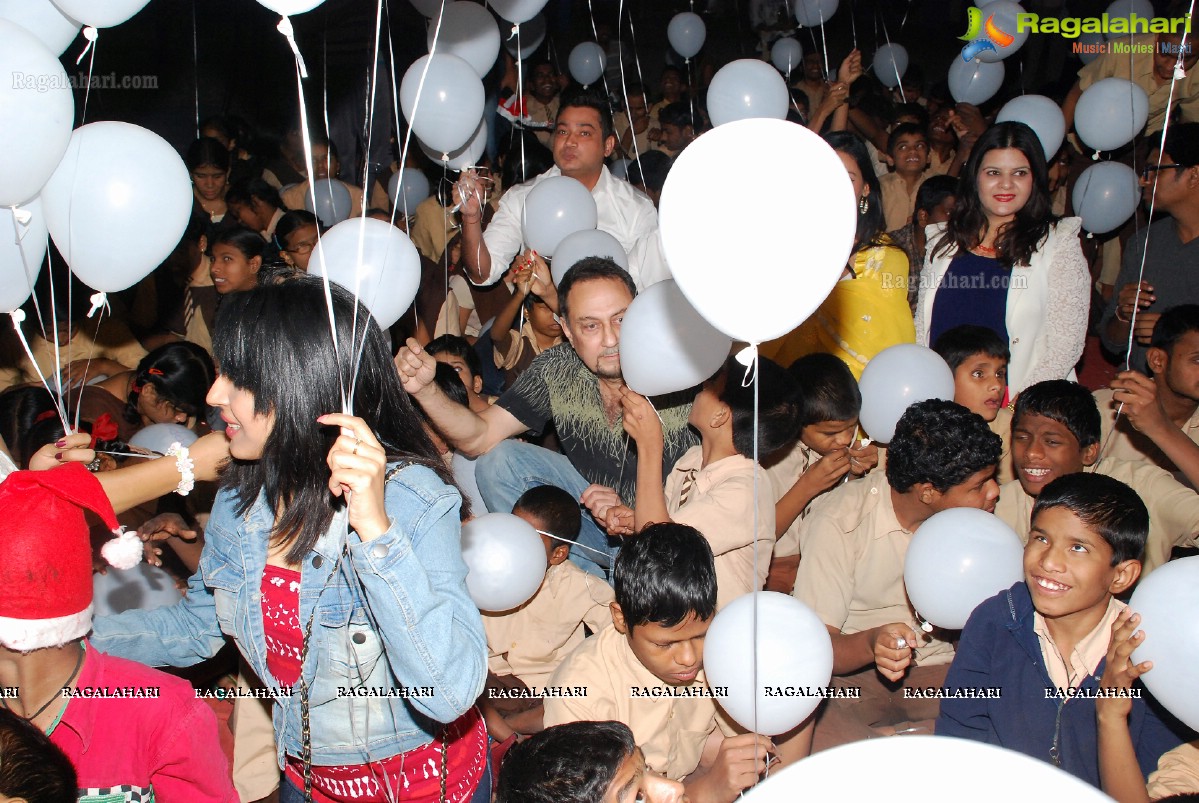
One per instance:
(720, 504)
(532, 640)
(1173, 507)
(1002, 426)
(851, 574)
(898, 204)
(1177, 772)
(670, 730)
(783, 475)
(112, 341)
(1126, 443)
(1069, 671)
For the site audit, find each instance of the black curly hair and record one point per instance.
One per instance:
(941, 443)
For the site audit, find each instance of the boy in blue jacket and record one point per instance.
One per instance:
(1043, 642)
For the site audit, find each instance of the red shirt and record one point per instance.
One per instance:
(136, 744)
(415, 776)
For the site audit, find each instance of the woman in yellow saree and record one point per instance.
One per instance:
(867, 311)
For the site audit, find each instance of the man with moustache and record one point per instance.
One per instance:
(576, 387)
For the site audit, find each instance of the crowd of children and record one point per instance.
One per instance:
(324, 548)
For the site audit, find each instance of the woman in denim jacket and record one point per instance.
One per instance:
(332, 558)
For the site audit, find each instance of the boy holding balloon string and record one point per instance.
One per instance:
(647, 671)
(715, 486)
(854, 542)
(1045, 640)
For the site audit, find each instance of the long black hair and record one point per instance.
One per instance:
(872, 224)
(180, 372)
(274, 342)
(1018, 240)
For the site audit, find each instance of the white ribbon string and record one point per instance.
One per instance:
(599, 552)
(17, 317)
(90, 34)
(289, 33)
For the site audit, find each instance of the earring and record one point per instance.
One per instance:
(863, 205)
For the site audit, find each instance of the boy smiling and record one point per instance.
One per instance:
(1044, 641)
(1055, 431)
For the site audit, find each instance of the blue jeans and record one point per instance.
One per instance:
(513, 467)
(290, 793)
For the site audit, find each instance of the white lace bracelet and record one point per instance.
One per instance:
(185, 466)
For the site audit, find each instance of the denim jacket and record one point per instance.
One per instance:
(395, 619)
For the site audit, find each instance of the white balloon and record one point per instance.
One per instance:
(407, 188)
(724, 276)
(791, 648)
(442, 103)
(1167, 599)
(532, 34)
(1040, 114)
(375, 261)
(556, 207)
(1123, 9)
(117, 204)
(957, 559)
(100, 13)
(36, 113)
(686, 33)
(1091, 47)
(747, 88)
(583, 244)
(329, 200)
(974, 81)
(853, 771)
(898, 377)
(466, 156)
(1002, 14)
(469, 32)
(811, 13)
(505, 561)
(1105, 196)
(890, 63)
(665, 345)
(159, 437)
(44, 20)
(1110, 113)
(517, 10)
(289, 7)
(587, 62)
(21, 259)
(786, 55)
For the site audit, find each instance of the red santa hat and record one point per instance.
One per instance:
(46, 573)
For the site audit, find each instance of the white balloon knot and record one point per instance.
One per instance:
(90, 33)
(99, 302)
(445, 157)
(18, 316)
(1179, 73)
(748, 357)
(289, 33)
(22, 216)
(1090, 236)
(1095, 156)
(515, 31)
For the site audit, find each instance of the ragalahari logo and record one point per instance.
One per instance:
(982, 36)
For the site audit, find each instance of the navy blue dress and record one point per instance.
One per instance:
(973, 291)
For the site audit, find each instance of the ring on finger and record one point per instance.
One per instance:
(357, 443)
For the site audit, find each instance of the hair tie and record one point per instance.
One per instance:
(156, 372)
(45, 415)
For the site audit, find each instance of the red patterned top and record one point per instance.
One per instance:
(414, 776)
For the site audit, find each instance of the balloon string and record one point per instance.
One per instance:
(196, 67)
(595, 34)
(633, 36)
(366, 179)
(17, 316)
(853, 23)
(286, 29)
(100, 305)
(753, 372)
(599, 552)
(395, 107)
(93, 37)
(521, 111)
(624, 87)
(894, 66)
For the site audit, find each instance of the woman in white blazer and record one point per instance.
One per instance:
(1003, 261)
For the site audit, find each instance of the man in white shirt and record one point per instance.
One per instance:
(583, 139)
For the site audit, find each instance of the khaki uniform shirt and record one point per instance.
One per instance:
(851, 574)
(898, 204)
(783, 475)
(532, 640)
(1002, 426)
(1138, 68)
(1069, 673)
(1177, 772)
(670, 730)
(720, 504)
